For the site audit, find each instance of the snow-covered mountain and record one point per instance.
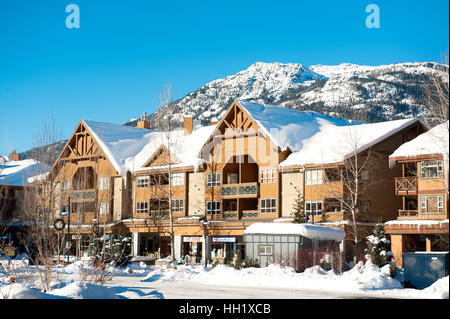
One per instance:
(373, 93)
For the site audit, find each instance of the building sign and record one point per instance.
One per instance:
(192, 239)
(224, 239)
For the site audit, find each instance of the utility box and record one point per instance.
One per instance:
(422, 269)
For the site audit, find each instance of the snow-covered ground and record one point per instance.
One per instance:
(140, 281)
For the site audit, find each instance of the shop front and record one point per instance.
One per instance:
(153, 245)
(226, 248)
(192, 249)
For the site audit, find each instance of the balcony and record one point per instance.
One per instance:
(405, 186)
(407, 213)
(249, 190)
(250, 214)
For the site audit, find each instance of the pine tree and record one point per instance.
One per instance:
(298, 210)
(379, 247)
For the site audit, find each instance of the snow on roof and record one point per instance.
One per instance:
(17, 173)
(129, 148)
(287, 127)
(333, 144)
(305, 230)
(435, 141)
(315, 138)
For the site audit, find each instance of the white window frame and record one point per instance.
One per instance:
(424, 204)
(142, 207)
(314, 177)
(265, 250)
(213, 179)
(177, 205)
(213, 207)
(177, 179)
(103, 208)
(268, 175)
(425, 168)
(317, 212)
(143, 182)
(268, 205)
(104, 183)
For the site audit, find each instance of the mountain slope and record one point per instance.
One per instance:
(370, 93)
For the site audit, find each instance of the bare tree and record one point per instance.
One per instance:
(437, 107)
(41, 201)
(356, 176)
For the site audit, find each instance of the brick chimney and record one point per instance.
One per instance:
(188, 125)
(143, 122)
(14, 156)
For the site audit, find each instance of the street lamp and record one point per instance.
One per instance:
(205, 225)
(63, 213)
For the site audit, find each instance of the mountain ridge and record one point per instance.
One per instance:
(378, 93)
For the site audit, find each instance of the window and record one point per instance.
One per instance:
(213, 179)
(432, 204)
(232, 178)
(104, 208)
(177, 205)
(431, 169)
(159, 179)
(268, 175)
(265, 250)
(313, 207)
(364, 206)
(141, 207)
(177, 179)
(313, 177)
(142, 182)
(268, 205)
(212, 208)
(66, 185)
(333, 175)
(103, 183)
(332, 205)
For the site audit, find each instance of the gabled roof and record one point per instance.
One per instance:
(435, 141)
(287, 127)
(315, 138)
(129, 148)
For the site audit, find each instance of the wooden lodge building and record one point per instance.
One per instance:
(249, 167)
(422, 220)
(14, 175)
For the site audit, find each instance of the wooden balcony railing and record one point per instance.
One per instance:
(250, 213)
(407, 213)
(406, 185)
(240, 190)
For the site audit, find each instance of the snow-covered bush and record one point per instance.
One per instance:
(379, 249)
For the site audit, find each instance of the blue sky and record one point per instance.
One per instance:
(115, 65)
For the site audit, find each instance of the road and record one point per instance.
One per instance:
(192, 290)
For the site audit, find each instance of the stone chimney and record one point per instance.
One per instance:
(188, 125)
(14, 156)
(143, 122)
